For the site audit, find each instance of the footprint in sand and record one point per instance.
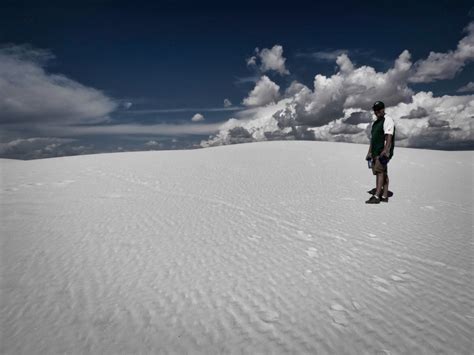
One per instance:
(345, 258)
(338, 237)
(400, 276)
(356, 305)
(64, 182)
(396, 278)
(114, 196)
(304, 236)
(254, 237)
(380, 284)
(337, 307)
(269, 316)
(339, 314)
(11, 189)
(312, 252)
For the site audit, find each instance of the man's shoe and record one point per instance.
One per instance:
(383, 199)
(372, 192)
(373, 199)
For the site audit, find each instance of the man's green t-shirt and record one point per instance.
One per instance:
(377, 139)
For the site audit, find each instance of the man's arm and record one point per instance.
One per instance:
(369, 153)
(388, 128)
(388, 144)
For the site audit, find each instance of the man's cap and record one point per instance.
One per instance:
(378, 105)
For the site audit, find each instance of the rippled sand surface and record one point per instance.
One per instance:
(253, 248)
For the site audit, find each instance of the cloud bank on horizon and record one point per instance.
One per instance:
(54, 111)
(338, 107)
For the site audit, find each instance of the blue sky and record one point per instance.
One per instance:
(149, 63)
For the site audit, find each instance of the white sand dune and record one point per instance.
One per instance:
(255, 248)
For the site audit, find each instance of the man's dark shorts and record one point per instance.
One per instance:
(378, 167)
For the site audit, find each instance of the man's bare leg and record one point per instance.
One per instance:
(380, 182)
(385, 186)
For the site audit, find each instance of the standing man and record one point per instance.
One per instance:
(382, 142)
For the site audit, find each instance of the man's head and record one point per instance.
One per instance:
(379, 109)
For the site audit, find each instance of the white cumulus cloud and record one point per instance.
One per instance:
(440, 66)
(152, 144)
(469, 87)
(264, 92)
(447, 123)
(197, 118)
(252, 61)
(270, 59)
(127, 105)
(338, 108)
(29, 94)
(294, 88)
(324, 55)
(350, 87)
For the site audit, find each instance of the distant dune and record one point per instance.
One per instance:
(253, 248)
